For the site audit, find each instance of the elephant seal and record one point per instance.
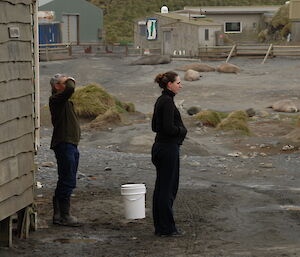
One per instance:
(285, 105)
(200, 67)
(228, 68)
(192, 75)
(152, 60)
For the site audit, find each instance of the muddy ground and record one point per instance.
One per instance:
(238, 196)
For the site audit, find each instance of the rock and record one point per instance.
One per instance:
(193, 110)
(132, 165)
(200, 67)
(192, 75)
(80, 175)
(179, 104)
(262, 114)
(236, 154)
(152, 60)
(228, 68)
(288, 147)
(48, 164)
(285, 105)
(250, 112)
(194, 163)
(266, 165)
(39, 185)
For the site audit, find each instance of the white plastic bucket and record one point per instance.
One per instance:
(134, 200)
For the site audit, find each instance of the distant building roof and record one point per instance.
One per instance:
(231, 9)
(186, 19)
(43, 2)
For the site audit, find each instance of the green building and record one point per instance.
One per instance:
(81, 22)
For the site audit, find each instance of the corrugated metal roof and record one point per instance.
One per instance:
(186, 19)
(233, 9)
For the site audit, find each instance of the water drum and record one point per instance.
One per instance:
(134, 200)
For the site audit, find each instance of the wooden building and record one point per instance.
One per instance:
(18, 111)
(175, 34)
(294, 16)
(240, 23)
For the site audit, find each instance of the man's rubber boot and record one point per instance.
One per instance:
(56, 211)
(65, 218)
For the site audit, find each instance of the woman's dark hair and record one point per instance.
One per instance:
(163, 79)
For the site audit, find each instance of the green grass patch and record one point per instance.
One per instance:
(239, 115)
(233, 124)
(92, 100)
(208, 118)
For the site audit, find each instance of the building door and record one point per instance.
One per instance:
(167, 42)
(70, 28)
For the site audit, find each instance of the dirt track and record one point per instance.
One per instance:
(229, 206)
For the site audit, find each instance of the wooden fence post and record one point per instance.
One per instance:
(267, 54)
(230, 54)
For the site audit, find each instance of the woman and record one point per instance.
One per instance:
(170, 133)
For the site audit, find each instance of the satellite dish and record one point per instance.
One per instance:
(164, 9)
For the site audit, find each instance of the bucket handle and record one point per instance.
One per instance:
(130, 200)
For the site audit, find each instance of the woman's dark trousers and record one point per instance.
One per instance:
(165, 157)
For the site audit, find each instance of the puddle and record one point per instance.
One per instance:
(273, 207)
(272, 187)
(75, 240)
(290, 207)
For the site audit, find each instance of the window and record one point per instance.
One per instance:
(206, 34)
(233, 27)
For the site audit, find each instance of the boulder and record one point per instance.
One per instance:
(285, 105)
(192, 75)
(250, 112)
(193, 110)
(228, 68)
(152, 60)
(201, 67)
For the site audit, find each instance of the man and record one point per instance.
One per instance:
(65, 138)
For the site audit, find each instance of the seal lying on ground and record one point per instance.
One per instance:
(285, 105)
(228, 68)
(192, 75)
(201, 67)
(152, 60)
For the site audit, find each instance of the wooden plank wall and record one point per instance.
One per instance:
(16, 108)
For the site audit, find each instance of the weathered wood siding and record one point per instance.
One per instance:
(16, 108)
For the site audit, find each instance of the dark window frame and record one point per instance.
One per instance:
(228, 30)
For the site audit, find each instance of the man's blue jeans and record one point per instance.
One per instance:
(67, 156)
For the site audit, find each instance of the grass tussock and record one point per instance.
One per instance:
(239, 115)
(92, 100)
(208, 118)
(233, 124)
(129, 107)
(111, 117)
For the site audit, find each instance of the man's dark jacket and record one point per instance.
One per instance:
(64, 119)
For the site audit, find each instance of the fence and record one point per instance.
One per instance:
(63, 51)
(55, 51)
(255, 50)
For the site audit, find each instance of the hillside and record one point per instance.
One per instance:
(119, 14)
